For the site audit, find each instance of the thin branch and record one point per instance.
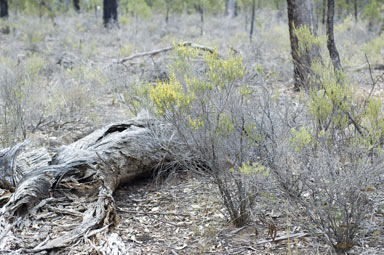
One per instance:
(155, 52)
(373, 81)
(284, 237)
(370, 75)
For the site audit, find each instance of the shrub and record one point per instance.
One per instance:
(213, 111)
(21, 106)
(332, 158)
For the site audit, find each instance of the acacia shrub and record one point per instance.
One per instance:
(220, 120)
(331, 164)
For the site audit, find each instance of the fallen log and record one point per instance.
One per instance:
(89, 169)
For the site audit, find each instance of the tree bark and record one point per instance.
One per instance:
(226, 9)
(200, 10)
(252, 20)
(3, 9)
(76, 5)
(300, 13)
(324, 12)
(235, 9)
(331, 45)
(167, 15)
(89, 169)
(109, 12)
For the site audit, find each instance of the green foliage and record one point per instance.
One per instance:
(169, 97)
(127, 50)
(210, 110)
(374, 49)
(211, 6)
(139, 8)
(330, 105)
(301, 138)
(307, 40)
(372, 12)
(345, 26)
(374, 122)
(249, 168)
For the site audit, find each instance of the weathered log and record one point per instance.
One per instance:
(91, 167)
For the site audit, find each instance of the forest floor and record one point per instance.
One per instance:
(182, 213)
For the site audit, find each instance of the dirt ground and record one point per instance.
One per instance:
(182, 213)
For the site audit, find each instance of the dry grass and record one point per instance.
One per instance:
(78, 88)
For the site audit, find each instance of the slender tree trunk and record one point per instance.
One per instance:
(109, 12)
(355, 10)
(76, 5)
(167, 14)
(252, 20)
(347, 2)
(235, 11)
(331, 45)
(300, 13)
(66, 5)
(201, 11)
(246, 20)
(324, 11)
(3, 9)
(226, 10)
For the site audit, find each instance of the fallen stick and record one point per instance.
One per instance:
(155, 52)
(284, 237)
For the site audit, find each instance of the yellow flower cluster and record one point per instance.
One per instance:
(169, 96)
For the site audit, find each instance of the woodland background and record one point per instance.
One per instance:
(191, 127)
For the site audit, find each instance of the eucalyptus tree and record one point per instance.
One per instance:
(206, 6)
(3, 9)
(109, 12)
(76, 5)
(301, 14)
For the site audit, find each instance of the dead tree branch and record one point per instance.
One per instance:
(156, 52)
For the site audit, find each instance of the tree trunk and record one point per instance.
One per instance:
(109, 12)
(86, 171)
(324, 12)
(300, 13)
(3, 9)
(201, 11)
(246, 20)
(226, 9)
(355, 10)
(348, 10)
(331, 45)
(252, 20)
(167, 14)
(235, 9)
(76, 5)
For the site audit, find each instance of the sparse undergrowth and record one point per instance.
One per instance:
(323, 149)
